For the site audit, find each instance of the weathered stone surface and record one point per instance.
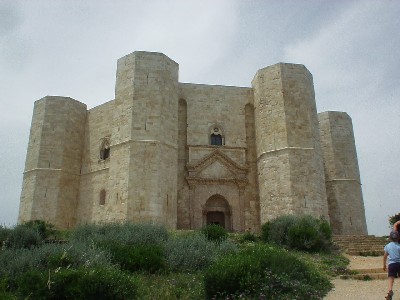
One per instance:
(343, 185)
(185, 155)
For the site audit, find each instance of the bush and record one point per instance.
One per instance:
(20, 237)
(44, 229)
(264, 272)
(276, 231)
(394, 219)
(194, 252)
(148, 258)
(5, 294)
(15, 262)
(127, 233)
(304, 233)
(248, 237)
(77, 284)
(4, 233)
(215, 233)
(310, 234)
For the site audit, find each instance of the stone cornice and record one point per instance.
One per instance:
(216, 147)
(281, 149)
(216, 181)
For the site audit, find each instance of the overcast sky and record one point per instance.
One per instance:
(70, 48)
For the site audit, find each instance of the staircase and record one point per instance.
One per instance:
(366, 245)
(360, 245)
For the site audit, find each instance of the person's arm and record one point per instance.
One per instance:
(384, 260)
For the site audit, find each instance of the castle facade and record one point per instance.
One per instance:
(186, 155)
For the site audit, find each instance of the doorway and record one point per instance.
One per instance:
(217, 211)
(216, 218)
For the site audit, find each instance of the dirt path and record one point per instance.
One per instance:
(358, 289)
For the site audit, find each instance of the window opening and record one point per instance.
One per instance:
(216, 136)
(216, 139)
(102, 200)
(105, 149)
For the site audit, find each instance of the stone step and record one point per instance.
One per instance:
(376, 242)
(370, 276)
(364, 253)
(367, 248)
(357, 238)
(366, 274)
(361, 245)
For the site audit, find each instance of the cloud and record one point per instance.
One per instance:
(357, 52)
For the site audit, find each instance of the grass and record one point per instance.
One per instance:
(171, 286)
(330, 264)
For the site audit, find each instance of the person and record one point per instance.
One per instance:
(392, 257)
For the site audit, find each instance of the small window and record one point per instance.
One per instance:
(105, 149)
(216, 136)
(216, 139)
(102, 199)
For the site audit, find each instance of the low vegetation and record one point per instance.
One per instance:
(303, 233)
(142, 261)
(393, 219)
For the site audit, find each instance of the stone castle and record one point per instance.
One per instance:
(186, 155)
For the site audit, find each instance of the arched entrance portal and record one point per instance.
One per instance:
(217, 211)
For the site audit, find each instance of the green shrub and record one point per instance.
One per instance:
(14, 262)
(248, 237)
(265, 229)
(215, 233)
(310, 234)
(5, 293)
(393, 219)
(21, 237)
(127, 233)
(194, 251)
(4, 232)
(264, 272)
(77, 284)
(148, 258)
(43, 228)
(276, 231)
(304, 233)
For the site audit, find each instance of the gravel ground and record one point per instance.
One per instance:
(358, 289)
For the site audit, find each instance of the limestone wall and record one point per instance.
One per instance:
(207, 107)
(94, 175)
(145, 136)
(346, 206)
(52, 169)
(290, 169)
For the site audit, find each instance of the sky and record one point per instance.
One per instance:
(70, 48)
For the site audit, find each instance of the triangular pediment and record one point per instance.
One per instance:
(217, 169)
(217, 165)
